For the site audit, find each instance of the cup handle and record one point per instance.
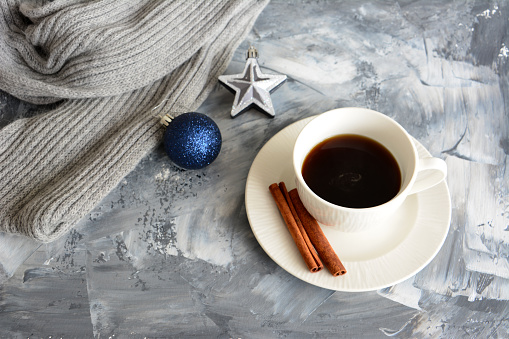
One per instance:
(431, 171)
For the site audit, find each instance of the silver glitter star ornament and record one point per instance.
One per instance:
(252, 88)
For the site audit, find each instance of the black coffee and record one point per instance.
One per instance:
(352, 171)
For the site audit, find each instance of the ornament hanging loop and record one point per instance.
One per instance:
(252, 53)
(166, 119)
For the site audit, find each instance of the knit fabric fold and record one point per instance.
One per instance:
(108, 63)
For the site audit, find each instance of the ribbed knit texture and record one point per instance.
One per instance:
(110, 62)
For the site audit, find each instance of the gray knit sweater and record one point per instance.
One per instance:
(109, 63)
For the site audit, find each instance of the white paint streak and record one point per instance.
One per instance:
(404, 293)
(203, 241)
(504, 51)
(488, 14)
(164, 174)
(329, 69)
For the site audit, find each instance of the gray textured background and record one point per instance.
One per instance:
(170, 253)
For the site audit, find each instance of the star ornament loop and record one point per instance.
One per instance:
(252, 88)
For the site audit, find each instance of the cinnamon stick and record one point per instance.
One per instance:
(323, 248)
(291, 224)
(302, 231)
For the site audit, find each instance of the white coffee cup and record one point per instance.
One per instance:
(417, 174)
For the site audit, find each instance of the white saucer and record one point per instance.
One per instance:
(386, 255)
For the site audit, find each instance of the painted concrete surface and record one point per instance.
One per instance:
(170, 253)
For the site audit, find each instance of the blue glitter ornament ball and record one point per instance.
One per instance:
(192, 140)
